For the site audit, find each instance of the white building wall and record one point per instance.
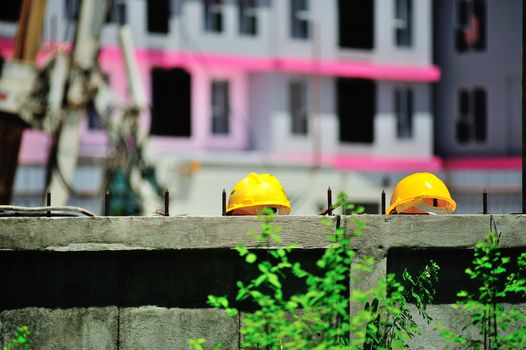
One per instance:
(325, 122)
(386, 141)
(386, 51)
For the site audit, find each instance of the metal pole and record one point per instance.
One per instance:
(484, 202)
(107, 204)
(48, 203)
(166, 203)
(329, 201)
(383, 202)
(523, 107)
(223, 203)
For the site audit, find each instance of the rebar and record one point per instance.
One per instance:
(484, 202)
(223, 203)
(107, 203)
(329, 201)
(48, 203)
(166, 203)
(383, 202)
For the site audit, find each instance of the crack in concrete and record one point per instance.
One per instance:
(118, 328)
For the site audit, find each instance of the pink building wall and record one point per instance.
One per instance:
(205, 68)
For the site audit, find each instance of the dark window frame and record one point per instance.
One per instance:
(117, 13)
(247, 17)
(472, 122)
(71, 10)
(94, 122)
(300, 26)
(11, 11)
(471, 26)
(298, 97)
(213, 16)
(404, 23)
(356, 107)
(220, 107)
(171, 112)
(158, 13)
(356, 24)
(404, 106)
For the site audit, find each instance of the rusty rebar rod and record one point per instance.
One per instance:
(48, 203)
(223, 202)
(329, 201)
(383, 202)
(107, 203)
(166, 203)
(484, 202)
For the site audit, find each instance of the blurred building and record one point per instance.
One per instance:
(477, 104)
(316, 92)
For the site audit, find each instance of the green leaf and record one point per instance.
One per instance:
(251, 258)
(273, 279)
(462, 294)
(241, 249)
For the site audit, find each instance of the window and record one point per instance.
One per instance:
(356, 105)
(158, 20)
(248, 21)
(471, 25)
(94, 122)
(117, 12)
(171, 102)
(404, 23)
(298, 107)
(471, 125)
(356, 24)
(220, 107)
(72, 9)
(10, 11)
(299, 23)
(404, 112)
(93, 118)
(213, 12)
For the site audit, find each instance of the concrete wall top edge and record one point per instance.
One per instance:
(309, 232)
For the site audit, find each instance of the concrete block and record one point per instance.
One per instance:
(453, 319)
(153, 328)
(76, 328)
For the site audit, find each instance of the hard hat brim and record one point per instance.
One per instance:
(451, 205)
(284, 209)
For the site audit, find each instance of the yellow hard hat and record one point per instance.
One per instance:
(255, 192)
(421, 193)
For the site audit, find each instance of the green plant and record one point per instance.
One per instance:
(498, 326)
(19, 339)
(320, 317)
(395, 324)
(198, 344)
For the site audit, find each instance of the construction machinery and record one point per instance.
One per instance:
(55, 98)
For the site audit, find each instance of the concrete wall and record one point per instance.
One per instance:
(127, 283)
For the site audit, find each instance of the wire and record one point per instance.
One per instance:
(16, 208)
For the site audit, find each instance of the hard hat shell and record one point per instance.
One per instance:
(257, 190)
(421, 189)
